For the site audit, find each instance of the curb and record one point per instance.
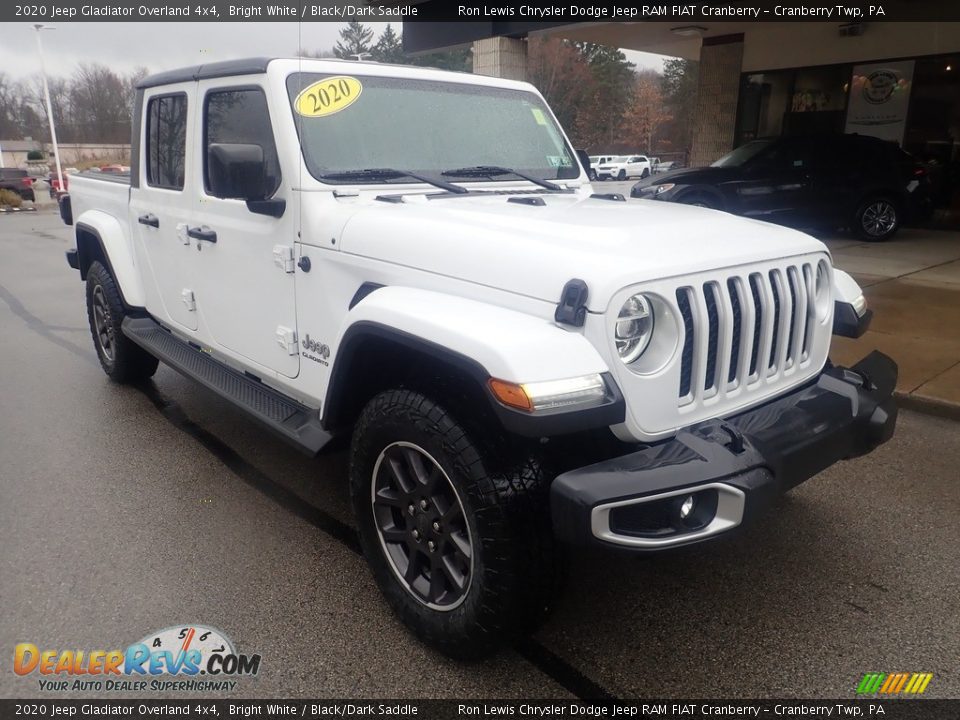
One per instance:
(17, 209)
(928, 406)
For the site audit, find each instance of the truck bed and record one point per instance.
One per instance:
(103, 192)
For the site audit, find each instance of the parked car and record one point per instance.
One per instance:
(663, 167)
(509, 386)
(54, 181)
(625, 167)
(855, 181)
(19, 181)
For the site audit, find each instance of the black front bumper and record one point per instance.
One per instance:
(734, 466)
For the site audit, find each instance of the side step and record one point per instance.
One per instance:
(294, 422)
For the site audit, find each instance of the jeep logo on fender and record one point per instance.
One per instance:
(315, 347)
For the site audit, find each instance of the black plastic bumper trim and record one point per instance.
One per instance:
(847, 323)
(73, 258)
(844, 413)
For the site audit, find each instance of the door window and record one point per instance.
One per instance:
(240, 116)
(166, 141)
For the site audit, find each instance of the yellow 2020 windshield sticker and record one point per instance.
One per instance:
(328, 96)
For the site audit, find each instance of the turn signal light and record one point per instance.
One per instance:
(511, 394)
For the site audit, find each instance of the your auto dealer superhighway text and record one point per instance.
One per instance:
(665, 11)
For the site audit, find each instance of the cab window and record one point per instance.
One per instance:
(240, 116)
(166, 141)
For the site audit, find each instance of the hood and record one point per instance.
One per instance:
(533, 250)
(691, 176)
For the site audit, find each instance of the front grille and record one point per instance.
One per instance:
(742, 330)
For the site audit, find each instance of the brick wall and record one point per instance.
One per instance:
(715, 116)
(501, 57)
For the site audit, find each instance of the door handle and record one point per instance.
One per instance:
(202, 233)
(149, 219)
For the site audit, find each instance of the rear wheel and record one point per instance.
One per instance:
(458, 541)
(122, 359)
(645, 174)
(877, 219)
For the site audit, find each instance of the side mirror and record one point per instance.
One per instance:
(236, 171)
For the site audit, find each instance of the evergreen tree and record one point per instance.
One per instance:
(388, 49)
(355, 39)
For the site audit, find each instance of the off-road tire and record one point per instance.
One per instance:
(516, 571)
(122, 359)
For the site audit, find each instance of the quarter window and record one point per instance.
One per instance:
(166, 141)
(240, 116)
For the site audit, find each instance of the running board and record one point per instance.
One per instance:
(294, 422)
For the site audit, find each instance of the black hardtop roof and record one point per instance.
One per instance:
(244, 66)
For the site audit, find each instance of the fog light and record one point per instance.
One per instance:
(687, 507)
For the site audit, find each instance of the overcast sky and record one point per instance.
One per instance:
(162, 46)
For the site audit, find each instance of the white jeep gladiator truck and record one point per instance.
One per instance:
(415, 260)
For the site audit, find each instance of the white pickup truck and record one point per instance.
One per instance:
(415, 259)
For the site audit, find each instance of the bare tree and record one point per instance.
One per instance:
(100, 104)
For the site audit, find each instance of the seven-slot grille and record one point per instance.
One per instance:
(744, 330)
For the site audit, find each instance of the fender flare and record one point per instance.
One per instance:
(481, 341)
(847, 322)
(101, 236)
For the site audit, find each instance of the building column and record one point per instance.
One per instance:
(501, 57)
(715, 117)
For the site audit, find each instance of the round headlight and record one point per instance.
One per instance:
(634, 328)
(822, 291)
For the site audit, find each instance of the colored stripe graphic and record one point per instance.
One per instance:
(894, 683)
(870, 683)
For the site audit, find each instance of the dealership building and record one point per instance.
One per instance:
(896, 80)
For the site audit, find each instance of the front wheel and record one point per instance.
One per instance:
(592, 175)
(122, 359)
(877, 219)
(457, 539)
(622, 175)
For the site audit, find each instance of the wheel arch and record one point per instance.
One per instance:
(703, 191)
(100, 237)
(416, 338)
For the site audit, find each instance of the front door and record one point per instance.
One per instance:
(244, 270)
(776, 185)
(162, 189)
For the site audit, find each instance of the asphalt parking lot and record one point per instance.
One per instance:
(126, 510)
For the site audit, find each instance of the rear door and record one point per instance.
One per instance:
(161, 203)
(244, 272)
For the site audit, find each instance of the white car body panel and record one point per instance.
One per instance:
(476, 274)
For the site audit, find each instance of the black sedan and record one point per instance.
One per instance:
(828, 181)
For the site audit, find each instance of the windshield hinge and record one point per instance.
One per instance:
(283, 257)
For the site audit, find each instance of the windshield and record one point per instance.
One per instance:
(737, 157)
(349, 123)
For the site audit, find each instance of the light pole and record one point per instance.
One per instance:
(46, 93)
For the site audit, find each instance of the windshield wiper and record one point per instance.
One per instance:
(391, 174)
(494, 170)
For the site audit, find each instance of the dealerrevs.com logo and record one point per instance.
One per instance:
(186, 657)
